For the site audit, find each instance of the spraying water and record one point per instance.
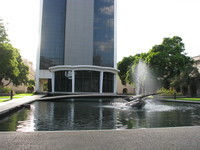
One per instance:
(145, 81)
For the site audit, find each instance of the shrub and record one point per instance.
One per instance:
(5, 90)
(168, 92)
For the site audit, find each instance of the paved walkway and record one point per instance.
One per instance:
(9, 105)
(184, 138)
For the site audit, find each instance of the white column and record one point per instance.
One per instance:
(73, 81)
(115, 34)
(115, 84)
(37, 81)
(101, 82)
(53, 82)
(37, 77)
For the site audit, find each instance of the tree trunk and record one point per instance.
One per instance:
(189, 90)
(166, 84)
(181, 89)
(1, 82)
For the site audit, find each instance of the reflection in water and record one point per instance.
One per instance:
(27, 124)
(15, 121)
(69, 115)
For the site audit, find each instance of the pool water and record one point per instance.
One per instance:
(77, 115)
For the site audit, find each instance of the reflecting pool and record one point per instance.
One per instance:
(77, 115)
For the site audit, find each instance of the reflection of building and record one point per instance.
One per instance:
(73, 116)
(77, 46)
(22, 88)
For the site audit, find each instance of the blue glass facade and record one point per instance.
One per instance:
(103, 33)
(108, 82)
(87, 81)
(78, 33)
(63, 81)
(53, 33)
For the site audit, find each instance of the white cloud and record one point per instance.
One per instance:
(109, 1)
(110, 23)
(107, 10)
(142, 24)
(104, 46)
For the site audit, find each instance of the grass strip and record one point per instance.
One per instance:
(189, 99)
(7, 98)
(4, 100)
(186, 99)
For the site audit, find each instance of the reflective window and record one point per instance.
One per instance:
(108, 82)
(87, 81)
(103, 33)
(52, 33)
(63, 81)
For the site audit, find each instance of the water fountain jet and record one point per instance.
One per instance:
(145, 85)
(144, 79)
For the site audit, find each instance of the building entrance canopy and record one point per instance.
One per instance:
(83, 78)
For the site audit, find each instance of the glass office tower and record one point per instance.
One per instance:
(53, 33)
(77, 51)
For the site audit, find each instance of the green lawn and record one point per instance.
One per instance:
(7, 98)
(189, 99)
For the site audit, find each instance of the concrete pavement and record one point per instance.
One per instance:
(181, 138)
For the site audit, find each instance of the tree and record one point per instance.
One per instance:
(3, 34)
(12, 68)
(130, 74)
(31, 84)
(124, 65)
(188, 77)
(168, 59)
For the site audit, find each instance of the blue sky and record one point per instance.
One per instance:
(140, 24)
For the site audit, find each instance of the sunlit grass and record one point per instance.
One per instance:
(7, 98)
(186, 99)
(3, 100)
(25, 94)
(189, 99)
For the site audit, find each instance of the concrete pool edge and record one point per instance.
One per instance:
(148, 138)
